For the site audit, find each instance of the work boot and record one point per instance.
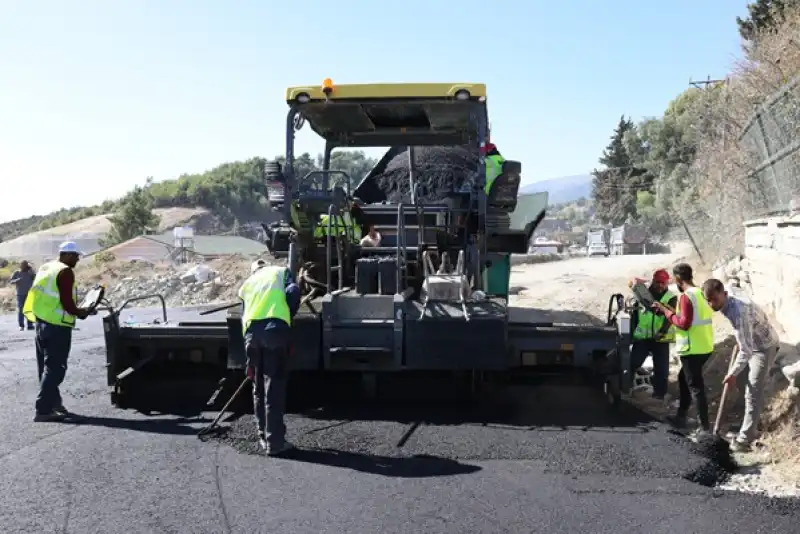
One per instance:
(677, 421)
(62, 410)
(21, 328)
(52, 417)
(277, 451)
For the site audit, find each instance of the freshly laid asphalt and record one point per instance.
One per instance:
(542, 458)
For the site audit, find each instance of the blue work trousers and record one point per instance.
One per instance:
(53, 344)
(268, 353)
(660, 352)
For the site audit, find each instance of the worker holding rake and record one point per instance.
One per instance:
(271, 299)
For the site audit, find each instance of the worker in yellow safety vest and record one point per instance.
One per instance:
(494, 165)
(342, 224)
(271, 299)
(652, 334)
(694, 342)
(51, 304)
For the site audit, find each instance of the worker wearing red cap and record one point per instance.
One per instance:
(494, 164)
(652, 334)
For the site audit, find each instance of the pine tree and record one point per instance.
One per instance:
(133, 217)
(614, 188)
(763, 16)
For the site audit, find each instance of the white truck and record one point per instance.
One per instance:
(596, 244)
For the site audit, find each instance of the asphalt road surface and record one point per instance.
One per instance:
(535, 459)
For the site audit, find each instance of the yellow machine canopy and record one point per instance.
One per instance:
(391, 114)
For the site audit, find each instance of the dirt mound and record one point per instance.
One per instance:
(438, 171)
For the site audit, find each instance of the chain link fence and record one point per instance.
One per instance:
(747, 167)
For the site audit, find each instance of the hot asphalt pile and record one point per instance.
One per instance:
(438, 171)
(569, 431)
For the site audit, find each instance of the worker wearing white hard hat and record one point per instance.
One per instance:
(52, 305)
(271, 299)
(256, 265)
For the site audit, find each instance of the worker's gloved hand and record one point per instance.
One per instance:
(83, 313)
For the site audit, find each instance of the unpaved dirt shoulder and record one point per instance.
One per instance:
(577, 291)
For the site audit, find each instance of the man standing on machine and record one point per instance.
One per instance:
(51, 305)
(494, 164)
(271, 299)
(652, 334)
(694, 341)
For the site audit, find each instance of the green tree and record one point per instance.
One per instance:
(133, 218)
(231, 191)
(763, 16)
(614, 188)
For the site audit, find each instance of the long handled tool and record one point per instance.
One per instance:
(725, 389)
(211, 427)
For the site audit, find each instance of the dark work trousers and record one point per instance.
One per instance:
(660, 352)
(692, 386)
(53, 344)
(20, 316)
(271, 364)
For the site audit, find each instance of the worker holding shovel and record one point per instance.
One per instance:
(271, 299)
(758, 344)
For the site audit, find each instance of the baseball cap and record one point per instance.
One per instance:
(661, 276)
(256, 265)
(69, 247)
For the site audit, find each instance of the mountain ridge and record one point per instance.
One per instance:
(563, 189)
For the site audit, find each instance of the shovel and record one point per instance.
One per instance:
(725, 389)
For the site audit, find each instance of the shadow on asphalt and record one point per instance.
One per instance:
(542, 406)
(420, 466)
(174, 426)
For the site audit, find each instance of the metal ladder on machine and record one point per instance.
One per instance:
(445, 285)
(333, 222)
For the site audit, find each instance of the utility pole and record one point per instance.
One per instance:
(704, 83)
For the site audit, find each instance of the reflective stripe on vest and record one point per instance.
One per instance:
(649, 323)
(44, 301)
(699, 339)
(494, 168)
(264, 296)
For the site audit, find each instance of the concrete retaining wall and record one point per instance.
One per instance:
(770, 270)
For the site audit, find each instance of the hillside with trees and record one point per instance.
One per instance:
(234, 192)
(693, 164)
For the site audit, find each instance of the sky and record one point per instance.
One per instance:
(95, 96)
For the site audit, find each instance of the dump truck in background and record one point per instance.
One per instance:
(628, 239)
(433, 297)
(596, 242)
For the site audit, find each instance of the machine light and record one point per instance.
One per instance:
(327, 86)
(303, 98)
(462, 94)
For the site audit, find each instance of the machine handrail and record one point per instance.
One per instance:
(401, 246)
(333, 218)
(140, 298)
(326, 179)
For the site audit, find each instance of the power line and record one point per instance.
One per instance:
(705, 83)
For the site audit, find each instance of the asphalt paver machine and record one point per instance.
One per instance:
(432, 296)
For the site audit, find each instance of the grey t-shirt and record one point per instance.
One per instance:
(24, 281)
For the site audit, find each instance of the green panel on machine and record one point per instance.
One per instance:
(498, 275)
(528, 207)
